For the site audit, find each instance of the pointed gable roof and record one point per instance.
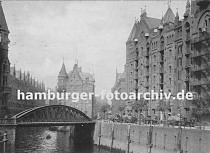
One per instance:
(76, 73)
(3, 23)
(118, 76)
(133, 32)
(169, 16)
(63, 70)
(152, 22)
(84, 76)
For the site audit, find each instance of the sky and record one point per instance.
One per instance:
(42, 33)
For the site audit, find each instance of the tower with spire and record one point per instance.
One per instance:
(4, 64)
(187, 11)
(76, 81)
(62, 77)
(176, 21)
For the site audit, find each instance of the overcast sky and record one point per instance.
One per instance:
(43, 32)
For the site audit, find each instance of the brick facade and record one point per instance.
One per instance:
(161, 54)
(77, 81)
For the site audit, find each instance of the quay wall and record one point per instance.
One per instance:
(133, 138)
(10, 132)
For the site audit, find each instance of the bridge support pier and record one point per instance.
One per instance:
(80, 131)
(11, 132)
(72, 129)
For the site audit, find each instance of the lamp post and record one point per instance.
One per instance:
(179, 109)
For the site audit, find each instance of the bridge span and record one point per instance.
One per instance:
(55, 115)
(52, 115)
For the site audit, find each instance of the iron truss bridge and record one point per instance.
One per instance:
(57, 115)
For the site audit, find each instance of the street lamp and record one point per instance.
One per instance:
(179, 109)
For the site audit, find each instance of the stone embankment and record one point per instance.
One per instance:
(133, 138)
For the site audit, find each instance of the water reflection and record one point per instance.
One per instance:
(33, 140)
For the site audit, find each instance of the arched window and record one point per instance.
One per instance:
(142, 34)
(206, 23)
(209, 21)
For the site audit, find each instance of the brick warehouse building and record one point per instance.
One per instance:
(12, 80)
(120, 87)
(77, 81)
(171, 55)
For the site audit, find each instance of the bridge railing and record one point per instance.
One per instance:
(7, 121)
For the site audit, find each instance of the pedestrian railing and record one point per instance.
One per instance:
(7, 121)
(168, 124)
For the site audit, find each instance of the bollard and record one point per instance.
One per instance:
(179, 141)
(128, 138)
(150, 139)
(99, 135)
(112, 137)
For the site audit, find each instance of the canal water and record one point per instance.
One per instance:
(42, 140)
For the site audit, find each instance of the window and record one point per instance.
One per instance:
(153, 111)
(170, 69)
(4, 81)
(180, 49)
(206, 23)
(2, 102)
(179, 62)
(142, 33)
(170, 81)
(179, 75)
(4, 67)
(179, 87)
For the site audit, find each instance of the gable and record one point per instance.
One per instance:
(152, 22)
(169, 16)
(74, 78)
(133, 33)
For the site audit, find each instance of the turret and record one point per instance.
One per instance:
(62, 79)
(143, 13)
(176, 21)
(5, 90)
(187, 11)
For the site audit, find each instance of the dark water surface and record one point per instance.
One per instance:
(33, 140)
